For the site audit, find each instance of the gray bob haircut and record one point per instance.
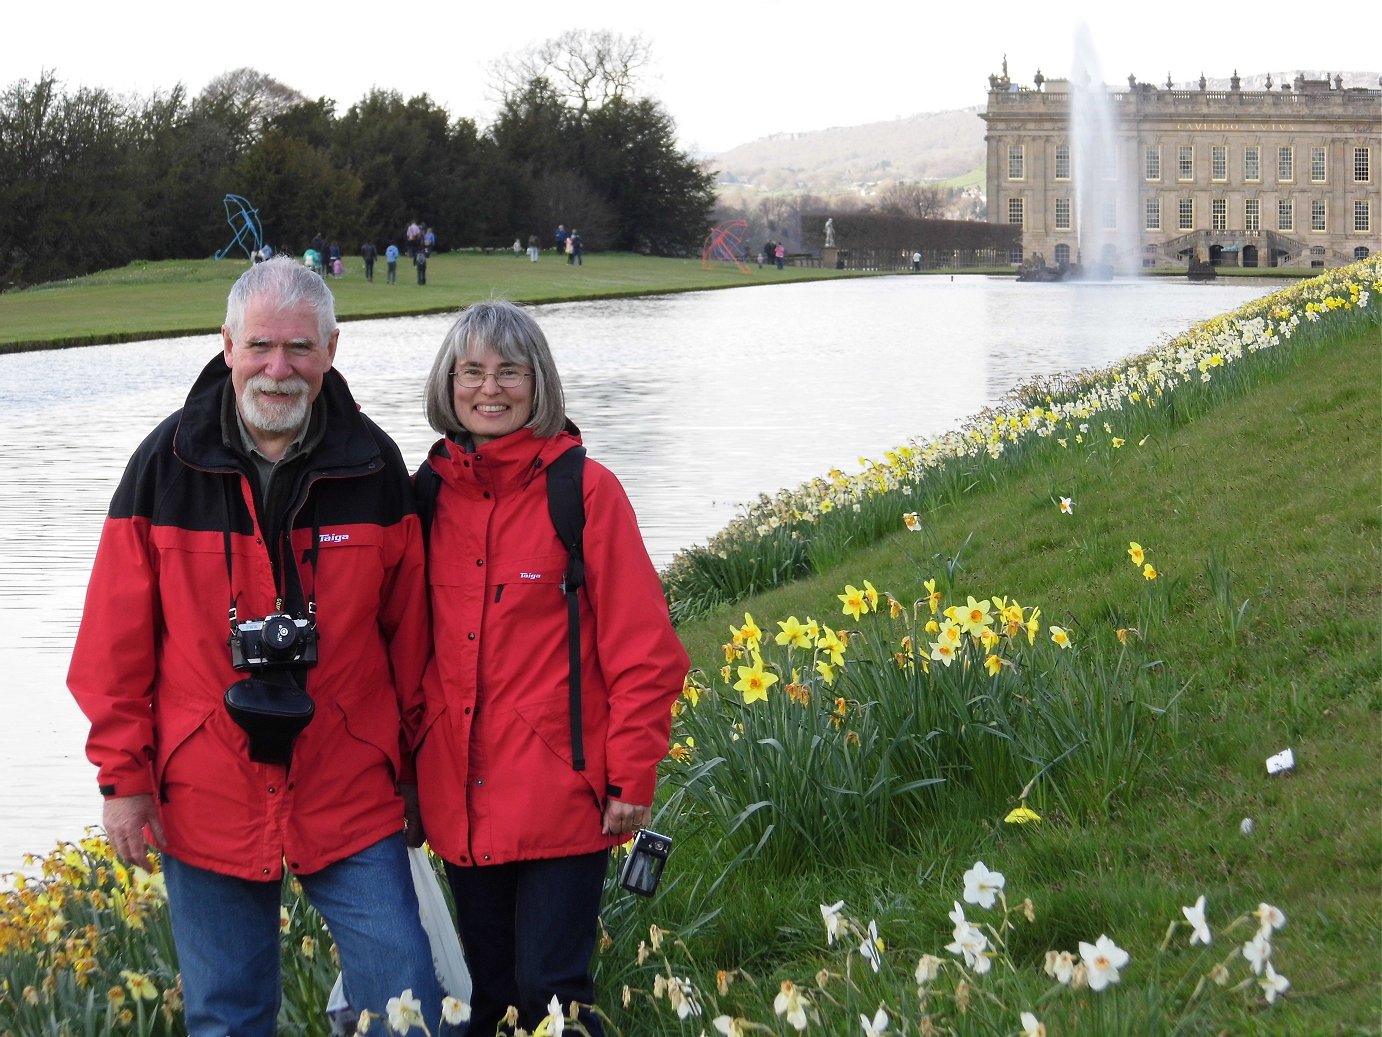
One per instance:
(515, 336)
(280, 283)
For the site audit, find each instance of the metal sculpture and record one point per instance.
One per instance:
(244, 220)
(723, 244)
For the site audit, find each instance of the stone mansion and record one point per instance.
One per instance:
(1153, 177)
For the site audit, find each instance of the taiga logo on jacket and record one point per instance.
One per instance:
(334, 538)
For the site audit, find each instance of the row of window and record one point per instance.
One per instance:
(1218, 163)
(1218, 214)
(1015, 256)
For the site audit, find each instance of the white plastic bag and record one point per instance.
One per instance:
(447, 959)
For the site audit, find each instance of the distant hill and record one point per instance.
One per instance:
(929, 146)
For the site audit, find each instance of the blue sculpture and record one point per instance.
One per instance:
(244, 220)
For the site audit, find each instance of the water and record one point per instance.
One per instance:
(698, 402)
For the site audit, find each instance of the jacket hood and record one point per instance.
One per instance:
(509, 461)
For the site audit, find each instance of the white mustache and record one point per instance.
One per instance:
(262, 383)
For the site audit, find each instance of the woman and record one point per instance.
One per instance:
(524, 832)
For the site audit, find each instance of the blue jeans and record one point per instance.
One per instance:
(226, 933)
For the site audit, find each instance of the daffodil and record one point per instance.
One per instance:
(943, 651)
(554, 1022)
(830, 914)
(729, 1026)
(1269, 919)
(993, 664)
(871, 947)
(982, 885)
(928, 969)
(912, 521)
(1067, 506)
(1257, 952)
(749, 633)
(792, 633)
(1148, 573)
(791, 1005)
(1136, 553)
(1272, 985)
(1199, 928)
(1060, 966)
(141, 988)
(877, 1026)
(1060, 636)
(974, 618)
(1031, 1026)
(826, 671)
(754, 681)
(871, 595)
(1118, 442)
(454, 1011)
(854, 601)
(1022, 815)
(833, 646)
(405, 1012)
(1102, 958)
(933, 596)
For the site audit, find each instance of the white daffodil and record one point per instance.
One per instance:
(1060, 966)
(1257, 952)
(982, 885)
(1031, 1026)
(682, 997)
(554, 1022)
(1102, 959)
(790, 1004)
(454, 1011)
(1199, 927)
(1269, 919)
(405, 1012)
(878, 1026)
(729, 1026)
(830, 914)
(928, 968)
(872, 947)
(1272, 985)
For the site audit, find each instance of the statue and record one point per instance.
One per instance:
(829, 233)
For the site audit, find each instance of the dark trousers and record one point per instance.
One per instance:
(528, 930)
(369, 270)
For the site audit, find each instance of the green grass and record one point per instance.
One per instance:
(1281, 487)
(187, 297)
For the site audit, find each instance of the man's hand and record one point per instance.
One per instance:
(412, 816)
(625, 818)
(126, 818)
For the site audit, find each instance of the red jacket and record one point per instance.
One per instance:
(494, 764)
(151, 663)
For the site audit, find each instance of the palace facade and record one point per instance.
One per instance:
(1152, 177)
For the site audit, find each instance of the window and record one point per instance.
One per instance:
(1361, 166)
(1362, 217)
(1062, 161)
(1062, 214)
(1153, 214)
(1218, 160)
(1218, 213)
(1015, 162)
(1187, 163)
(1285, 216)
(1317, 215)
(1062, 255)
(1361, 252)
(1015, 211)
(1015, 255)
(1317, 165)
(1252, 163)
(1110, 214)
(1153, 162)
(1252, 215)
(1187, 214)
(1285, 164)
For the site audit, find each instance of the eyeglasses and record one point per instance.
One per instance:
(505, 378)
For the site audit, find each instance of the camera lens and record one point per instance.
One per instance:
(279, 638)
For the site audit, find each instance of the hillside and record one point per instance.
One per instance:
(928, 146)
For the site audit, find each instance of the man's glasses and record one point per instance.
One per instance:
(505, 378)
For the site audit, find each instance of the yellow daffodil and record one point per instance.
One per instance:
(792, 633)
(933, 596)
(895, 608)
(1060, 636)
(912, 521)
(834, 647)
(754, 681)
(1033, 626)
(994, 665)
(1118, 442)
(1148, 573)
(750, 633)
(871, 595)
(141, 988)
(826, 671)
(1022, 815)
(854, 601)
(974, 618)
(1136, 553)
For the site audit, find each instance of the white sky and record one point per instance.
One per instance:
(728, 73)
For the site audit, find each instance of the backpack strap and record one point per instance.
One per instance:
(566, 505)
(426, 486)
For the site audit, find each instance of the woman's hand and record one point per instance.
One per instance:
(625, 818)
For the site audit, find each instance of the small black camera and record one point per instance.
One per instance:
(274, 641)
(647, 857)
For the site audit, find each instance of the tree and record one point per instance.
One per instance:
(297, 190)
(909, 198)
(584, 69)
(245, 100)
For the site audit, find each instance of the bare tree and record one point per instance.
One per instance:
(247, 99)
(585, 68)
(910, 198)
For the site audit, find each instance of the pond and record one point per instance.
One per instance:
(698, 402)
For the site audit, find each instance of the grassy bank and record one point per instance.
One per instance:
(1131, 709)
(187, 297)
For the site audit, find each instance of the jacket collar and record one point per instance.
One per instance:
(200, 442)
(513, 460)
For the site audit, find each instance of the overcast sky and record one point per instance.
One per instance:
(728, 73)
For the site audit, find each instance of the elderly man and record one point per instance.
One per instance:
(250, 658)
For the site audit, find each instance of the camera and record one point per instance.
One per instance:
(643, 868)
(274, 641)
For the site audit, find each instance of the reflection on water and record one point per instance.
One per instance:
(698, 402)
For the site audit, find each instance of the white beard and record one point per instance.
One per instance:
(269, 414)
